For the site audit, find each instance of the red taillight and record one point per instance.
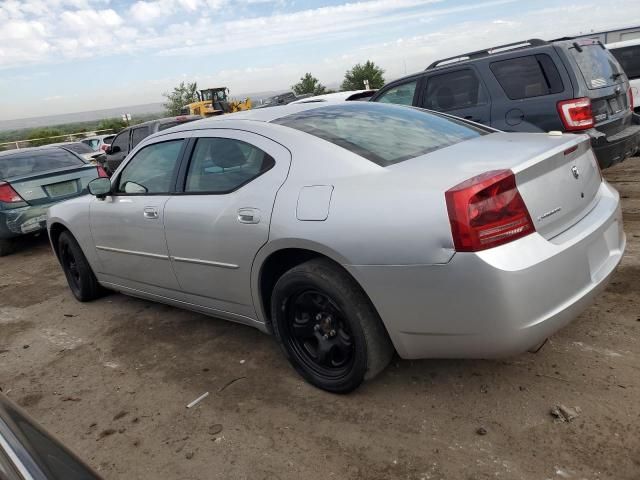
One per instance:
(8, 194)
(101, 172)
(630, 98)
(486, 211)
(576, 114)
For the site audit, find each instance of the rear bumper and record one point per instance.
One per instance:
(502, 301)
(23, 221)
(613, 149)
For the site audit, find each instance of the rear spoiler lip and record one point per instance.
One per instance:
(48, 173)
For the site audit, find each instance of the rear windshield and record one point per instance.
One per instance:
(629, 59)
(79, 148)
(36, 161)
(385, 134)
(598, 67)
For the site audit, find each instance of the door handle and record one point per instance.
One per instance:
(249, 215)
(150, 212)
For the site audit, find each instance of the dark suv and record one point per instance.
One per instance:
(128, 138)
(533, 86)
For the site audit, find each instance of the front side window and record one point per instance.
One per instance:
(121, 141)
(528, 76)
(383, 134)
(454, 90)
(221, 165)
(400, 94)
(138, 135)
(152, 170)
(629, 59)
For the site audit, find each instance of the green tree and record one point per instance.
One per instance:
(308, 84)
(182, 95)
(354, 78)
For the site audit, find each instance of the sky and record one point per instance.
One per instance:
(63, 56)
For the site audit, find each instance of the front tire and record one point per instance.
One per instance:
(328, 328)
(80, 277)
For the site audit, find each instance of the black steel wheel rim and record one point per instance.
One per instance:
(318, 334)
(70, 266)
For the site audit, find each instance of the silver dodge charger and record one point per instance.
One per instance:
(351, 231)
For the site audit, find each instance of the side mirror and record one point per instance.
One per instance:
(100, 187)
(113, 149)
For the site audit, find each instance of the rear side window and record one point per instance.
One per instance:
(383, 134)
(529, 76)
(221, 165)
(93, 143)
(629, 60)
(454, 90)
(138, 135)
(598, 67)
(36, 161)
(400, 94)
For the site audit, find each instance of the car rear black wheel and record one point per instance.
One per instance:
(80, 277)
(6, 247)
(327, 327)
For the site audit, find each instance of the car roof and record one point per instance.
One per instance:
(8, 153)
(266, 114)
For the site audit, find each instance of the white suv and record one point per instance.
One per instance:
(627, 53)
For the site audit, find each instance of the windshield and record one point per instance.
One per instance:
(78, 148)
(597, 65)
(385, 134)
(36, 161)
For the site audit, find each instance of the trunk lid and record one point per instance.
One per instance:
(559, 187)
(543, 164)
(52, 186)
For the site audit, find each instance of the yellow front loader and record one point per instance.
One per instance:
(215, 101)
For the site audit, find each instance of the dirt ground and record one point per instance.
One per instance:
(112, 380)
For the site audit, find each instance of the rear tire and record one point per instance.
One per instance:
(328, 328)
(80, 277)
(6, 247)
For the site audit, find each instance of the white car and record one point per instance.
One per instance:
(99, 143)
(347, 96)
(627, 53)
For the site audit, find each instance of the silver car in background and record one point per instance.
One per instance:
(351, 231)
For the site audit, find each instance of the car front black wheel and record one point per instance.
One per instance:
(6, 247)
(80, 277)
(328, 328)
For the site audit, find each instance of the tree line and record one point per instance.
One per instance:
(354, 79)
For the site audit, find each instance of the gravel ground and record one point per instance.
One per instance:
(112, 379)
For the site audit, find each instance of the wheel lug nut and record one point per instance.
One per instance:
(325, 336)
(316, 327)
(332, 333)
(318, 317)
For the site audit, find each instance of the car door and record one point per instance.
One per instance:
(460, 92)
(216, 226)
(128, 226)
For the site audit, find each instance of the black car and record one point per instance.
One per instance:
(128, 138)
(566, 84)
(27, 451)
